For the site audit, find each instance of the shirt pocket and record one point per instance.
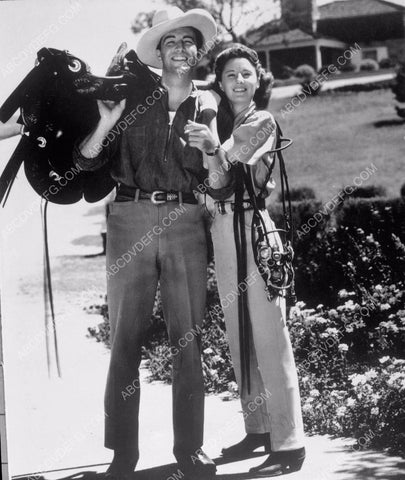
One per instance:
(137, 145)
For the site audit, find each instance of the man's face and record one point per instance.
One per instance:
(178, 50)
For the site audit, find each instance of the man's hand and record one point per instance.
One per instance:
(200, 136)
(110, 112)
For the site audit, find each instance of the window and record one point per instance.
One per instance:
(370, 54)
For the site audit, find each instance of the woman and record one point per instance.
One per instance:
(269, 372)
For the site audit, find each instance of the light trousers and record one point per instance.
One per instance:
(273, 404)
(148, 244)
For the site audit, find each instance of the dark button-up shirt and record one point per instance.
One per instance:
(149, 153)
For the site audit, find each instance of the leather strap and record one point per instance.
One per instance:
(241, 255)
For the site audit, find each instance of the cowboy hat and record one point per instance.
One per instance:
(169, 19)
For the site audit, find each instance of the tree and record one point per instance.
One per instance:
(227, 13)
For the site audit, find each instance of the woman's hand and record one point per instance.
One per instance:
(200, 136)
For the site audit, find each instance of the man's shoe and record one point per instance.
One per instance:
(248, 445)
(285, 461)
(197, 465)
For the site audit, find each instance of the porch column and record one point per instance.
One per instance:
(318, 57)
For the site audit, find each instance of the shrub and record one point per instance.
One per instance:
(347, 67)
(364, 87)
(304, 72)
(369, 191)
(387, 63)
(286, 73)
(307, 78)
(350, 381)
(325, 69)
(299, 194)
(369, 65)
(402, 190)
(398, 88)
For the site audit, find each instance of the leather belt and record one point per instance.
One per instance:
(225, 207)
(125, 193)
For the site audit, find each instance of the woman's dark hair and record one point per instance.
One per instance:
(266, 79)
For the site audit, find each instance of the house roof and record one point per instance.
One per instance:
(356, 8)
(260, 38)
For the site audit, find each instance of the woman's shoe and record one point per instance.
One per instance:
(122, 466)
(248, 445)
(286, 461)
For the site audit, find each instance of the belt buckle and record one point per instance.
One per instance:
(153, 197)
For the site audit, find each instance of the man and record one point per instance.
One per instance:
(155, 233)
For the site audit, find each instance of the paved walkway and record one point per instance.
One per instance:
(291, 90)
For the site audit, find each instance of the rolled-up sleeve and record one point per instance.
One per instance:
(252, 139)
(104, 152)
(224, 192)
(89, 164)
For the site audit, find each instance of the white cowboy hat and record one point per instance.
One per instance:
(169, 19)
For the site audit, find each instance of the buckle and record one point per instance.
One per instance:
(153, 197)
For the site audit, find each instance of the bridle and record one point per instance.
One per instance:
(273, 263)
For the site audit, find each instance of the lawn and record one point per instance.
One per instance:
(337, 135)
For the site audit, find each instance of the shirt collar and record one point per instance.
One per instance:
(243, 114)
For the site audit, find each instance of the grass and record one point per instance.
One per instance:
(337, 135)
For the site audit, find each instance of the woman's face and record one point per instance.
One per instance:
(239, 82)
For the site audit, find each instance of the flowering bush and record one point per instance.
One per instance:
(345, 389)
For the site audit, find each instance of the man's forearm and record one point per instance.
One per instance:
(92, 145)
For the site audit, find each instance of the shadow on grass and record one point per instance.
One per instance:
(389, 123)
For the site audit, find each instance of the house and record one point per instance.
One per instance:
(318, 36)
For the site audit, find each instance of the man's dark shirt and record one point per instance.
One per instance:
(147, 152)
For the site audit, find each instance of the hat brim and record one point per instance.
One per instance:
(148, 42)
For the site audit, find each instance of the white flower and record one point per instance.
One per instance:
(208, 351)
(375, 411)
(351, 402)
(385, 306)
(375, 397)
(343, 347)
(341, 411)
(378, 288)
(384, 359)
(331, 331)
(314, 393)
(393, 378)
(217, 358)
(357, 379)
(232, 386)
(371, 374)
